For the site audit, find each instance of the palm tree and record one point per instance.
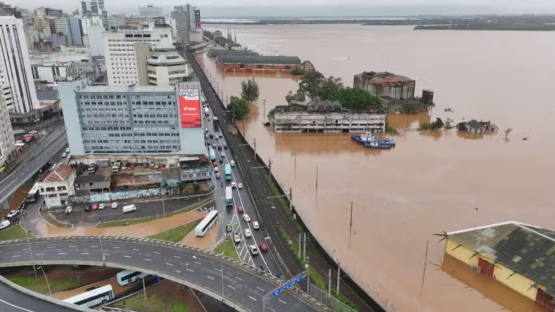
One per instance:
(250, 91)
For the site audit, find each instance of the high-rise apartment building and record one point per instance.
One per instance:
(7, 143)
(165, 66)
(62, 26)
(120, 55)
(75, 30)
(151, 11)
(179, 13)
(133, 120)
(15, 67)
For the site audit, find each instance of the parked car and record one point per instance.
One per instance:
(220, 134)
(236, 238)
(64, 155)
(215, 164)
(217, 175)
(255, 225)
(263, 247)
(225, 146)
(67, 150)
(240, 209)
(228, 228)
(233, 184)
(69, 209)
(87, 208)
(219, 147)
(101, 206)
(12, 214)
(213, 145)
(221, 160)
(114, 205)
(240, 185)
(248, 233)
(211, 135)
(253, 249)
(232, 163)
(246, 217)
(94, 206)
(4, 224)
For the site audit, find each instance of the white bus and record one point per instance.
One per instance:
(93, 297)
(129, 276)
(206, 223)
(228, 196)
(33, 194)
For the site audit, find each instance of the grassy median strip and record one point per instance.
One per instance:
(176, 234)
(39, 285)
(227, 248)
(14, 232)
(147, 219)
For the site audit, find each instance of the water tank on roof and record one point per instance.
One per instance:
(427, 96)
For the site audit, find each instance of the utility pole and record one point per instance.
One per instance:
(164, 209)
(28, 244)
(300, 244)
(351, 226)
(144, 287)
(264, 116)
(295, 165)
(254, 147)
(424, 271)
(316, 182)
(338, 275)
(290, 199)
(304, 245)
(329, 284)
(308, 276)
(270, 170)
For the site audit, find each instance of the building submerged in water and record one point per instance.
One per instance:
(325, 116)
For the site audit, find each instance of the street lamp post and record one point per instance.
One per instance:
(308, 276)
(47, 283)
(28, 243)
(164, 209)
(101, 247)
(222, 266)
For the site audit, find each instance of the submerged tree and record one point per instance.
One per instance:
(250, 91)
(238, 107)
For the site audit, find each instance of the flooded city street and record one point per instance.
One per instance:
(431, 181)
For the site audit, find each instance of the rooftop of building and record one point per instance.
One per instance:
(384, 77)
(60, 173)
(163, 60)
(217, 52)
(133, 88)
(318, 106)
(525, 249)
(253, 59)
(165, 44)
(47, 95)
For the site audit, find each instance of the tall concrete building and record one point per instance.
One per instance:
(75, 31)
(62, 26)
(120, 55)
(386, 84)
(15, 67)
(151, 11)
(166, 67)
(179, 13)
(96, 41)
(133, 119)
(7, 142)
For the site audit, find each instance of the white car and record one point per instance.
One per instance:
(64, 155)
(114, 205)
(4, 224)
(102, 206)
(253, 249)
(69, 209)
(248, 232)
(12, 214)
(246, 217)
(255, 225)
(240, 185)
(236, 238)
(233, 184)
(67, 150)
(232, 163)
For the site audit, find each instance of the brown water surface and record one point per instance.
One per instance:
(432, 181)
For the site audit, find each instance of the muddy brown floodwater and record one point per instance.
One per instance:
(431, 181)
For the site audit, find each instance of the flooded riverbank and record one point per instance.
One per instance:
(432, 181)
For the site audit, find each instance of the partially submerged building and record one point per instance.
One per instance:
(57, 185)
(325, 116)
(476, 127)
(251, 64)
(518, 255)
(386, 84)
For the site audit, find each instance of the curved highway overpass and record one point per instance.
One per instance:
(240, 286)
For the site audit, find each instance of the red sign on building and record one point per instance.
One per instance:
(197, 19)
(189, 108)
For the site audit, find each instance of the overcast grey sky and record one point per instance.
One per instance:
(282, 8)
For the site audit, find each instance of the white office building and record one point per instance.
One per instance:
(121, 56)
(57, 186)
(15, 67)
(151, 11)
(165, 66)
(7, 143)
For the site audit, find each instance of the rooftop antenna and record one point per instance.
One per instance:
(235, 35)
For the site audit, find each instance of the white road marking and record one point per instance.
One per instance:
(230, 286)
(50, 247)
(176, 257)
(189, 270)
(282, 301)
(94, 246)
(156, 252)
(106, 254)
(24, 249)
(62, 253)
(194, 257)
(84, 253)
(148, 259)
(169, 264)
(210, 277)
(116, 247)
(197, 262)
(260, 288)
(239, 278)
(16, 256)
(126, 256)
(39, 254)
(252, 298)
(13, 305)
(134, 249)
(72, 246)
(271, 309)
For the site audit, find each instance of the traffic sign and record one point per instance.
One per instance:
(287, 286)
(298, 278)
(276, 292)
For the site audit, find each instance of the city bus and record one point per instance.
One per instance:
(227, 172)
(228, 196)
(93, 297)
(206, 223)
(33, 194)
(129, 276)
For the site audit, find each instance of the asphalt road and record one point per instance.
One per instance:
(238, 285)
(229, 215)
(145, 208)
(12, 300)
(50, 146)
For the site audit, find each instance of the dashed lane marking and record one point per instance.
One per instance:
(169, 264)
(156, 252)
(239, 278)
(260, 288)
(41, 254)
(197, 262)
(126, 256)
(148, 259)
(62, 253)
(176, 257)
(189, 270)
(84, 253)
(210, 277)
(231, 287)
(282, 301)
(252, 298)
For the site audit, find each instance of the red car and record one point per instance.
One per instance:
(263, 247)
(240, 209)
(94, 206)
(215, 164)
